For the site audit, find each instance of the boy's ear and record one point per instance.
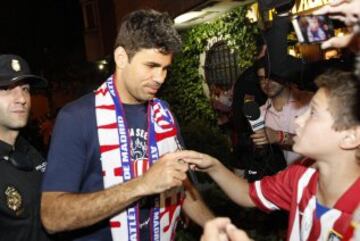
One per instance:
(351, 139)
(120, 57)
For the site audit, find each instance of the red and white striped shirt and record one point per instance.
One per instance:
(294, 190)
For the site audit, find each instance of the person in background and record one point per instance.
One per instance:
(221, 101)
(284, 104)
(314, 30)
(115, 171)
(21, 165)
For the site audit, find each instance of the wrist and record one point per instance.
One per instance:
(281, 137)
(141, 187)
(216, 165)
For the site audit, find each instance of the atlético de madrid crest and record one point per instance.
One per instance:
(13, 198)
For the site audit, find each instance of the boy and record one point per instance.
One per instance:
(320, 199)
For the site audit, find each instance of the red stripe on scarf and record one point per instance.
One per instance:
(106, 148)
(118, 171)
(115, 224)
(106, 107)
(101, 91)
(108, 126)
(162, 136)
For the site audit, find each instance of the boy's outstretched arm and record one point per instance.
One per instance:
(235, 187)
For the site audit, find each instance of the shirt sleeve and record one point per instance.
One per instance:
(277, 191)
(67, 153)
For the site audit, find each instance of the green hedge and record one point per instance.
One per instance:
(183, 89)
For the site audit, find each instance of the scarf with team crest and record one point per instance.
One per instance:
(117, 166)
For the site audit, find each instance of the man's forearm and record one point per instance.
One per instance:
(194, 206)
(68, 211)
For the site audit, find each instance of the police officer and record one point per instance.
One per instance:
(21, 166)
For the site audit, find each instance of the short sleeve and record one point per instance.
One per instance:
(67, 153)
(277, 191)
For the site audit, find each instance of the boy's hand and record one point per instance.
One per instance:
(199, 161)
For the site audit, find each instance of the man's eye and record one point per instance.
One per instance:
(26, 89)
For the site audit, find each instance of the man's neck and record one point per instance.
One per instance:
(125, 96)
(9, 136)
(280, 100)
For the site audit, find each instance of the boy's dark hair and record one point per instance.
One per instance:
(147, 29)
(343, 88)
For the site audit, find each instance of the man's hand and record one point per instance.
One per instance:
(349, 13)
(168, 172)
(221, 229)
(265, 136)
(343, 10)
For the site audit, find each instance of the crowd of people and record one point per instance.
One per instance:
(117, 169)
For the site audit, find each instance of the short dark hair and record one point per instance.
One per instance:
(282, 78)
(343, 89)
(147, 29)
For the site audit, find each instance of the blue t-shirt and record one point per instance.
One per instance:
(74, 158)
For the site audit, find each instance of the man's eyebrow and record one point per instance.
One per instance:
(157, 64)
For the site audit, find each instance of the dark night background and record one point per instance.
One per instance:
(47, 33)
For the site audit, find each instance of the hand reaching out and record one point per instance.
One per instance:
(199, 161)
(343, 10)
(349, 13)
(221, 229)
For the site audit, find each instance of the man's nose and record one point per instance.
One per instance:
(19, 94)
(159, 76)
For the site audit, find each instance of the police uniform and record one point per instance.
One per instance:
(21, 170)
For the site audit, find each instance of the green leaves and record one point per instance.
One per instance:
(184, 87)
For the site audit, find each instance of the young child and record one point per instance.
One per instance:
(320, 199)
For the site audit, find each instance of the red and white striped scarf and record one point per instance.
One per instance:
(169, 202)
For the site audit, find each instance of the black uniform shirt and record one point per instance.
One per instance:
(21, 170)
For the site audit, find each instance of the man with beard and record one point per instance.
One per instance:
(115, 169)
